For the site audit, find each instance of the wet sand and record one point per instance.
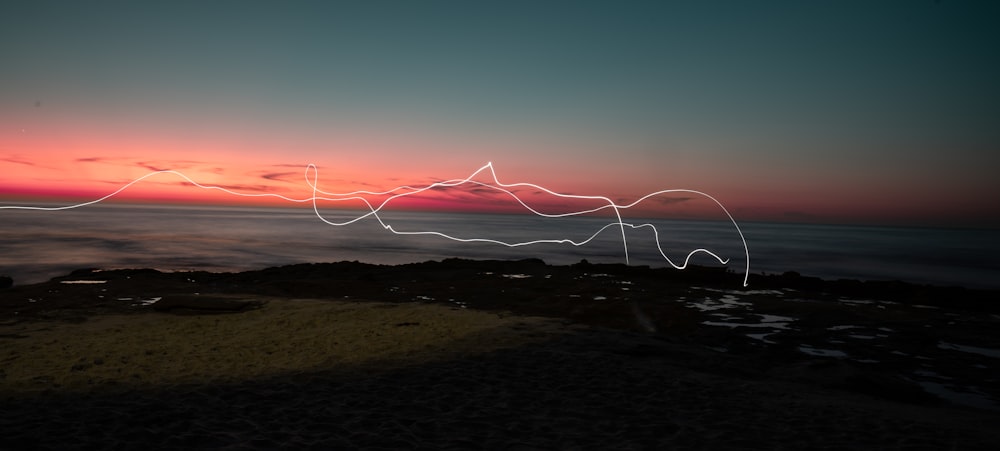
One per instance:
(226, 362)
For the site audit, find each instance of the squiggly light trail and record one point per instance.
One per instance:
(312, 179)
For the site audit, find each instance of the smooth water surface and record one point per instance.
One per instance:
(37, 245)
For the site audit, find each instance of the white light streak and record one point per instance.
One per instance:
(312, 179)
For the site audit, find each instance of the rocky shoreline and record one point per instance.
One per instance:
(578, 356)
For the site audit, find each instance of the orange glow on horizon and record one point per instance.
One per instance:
(83, 179)
(71, 164)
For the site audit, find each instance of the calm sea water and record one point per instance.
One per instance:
(37, 245)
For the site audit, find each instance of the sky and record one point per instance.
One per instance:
(882, 112)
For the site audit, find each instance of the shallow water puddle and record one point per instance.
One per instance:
(764, 318)
(844, 327)
(780, 326)
(141, 301)
(769, 321)
(763, 337)
(756, 292)
(856, 301)
(818, 352)
(727, 301)
(150, 301)
(860, 332)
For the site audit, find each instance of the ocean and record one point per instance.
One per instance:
(38, 245)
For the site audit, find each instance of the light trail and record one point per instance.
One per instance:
(312, 179)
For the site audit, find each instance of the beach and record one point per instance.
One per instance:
(462, 354)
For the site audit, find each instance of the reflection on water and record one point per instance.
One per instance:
(870, 345)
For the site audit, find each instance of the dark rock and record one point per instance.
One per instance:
(890, 387)
(83, 271)
(6, 282)
(204, 304)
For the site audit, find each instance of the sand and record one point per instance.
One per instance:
(282, 337)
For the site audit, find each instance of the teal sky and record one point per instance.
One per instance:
(849, 111)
